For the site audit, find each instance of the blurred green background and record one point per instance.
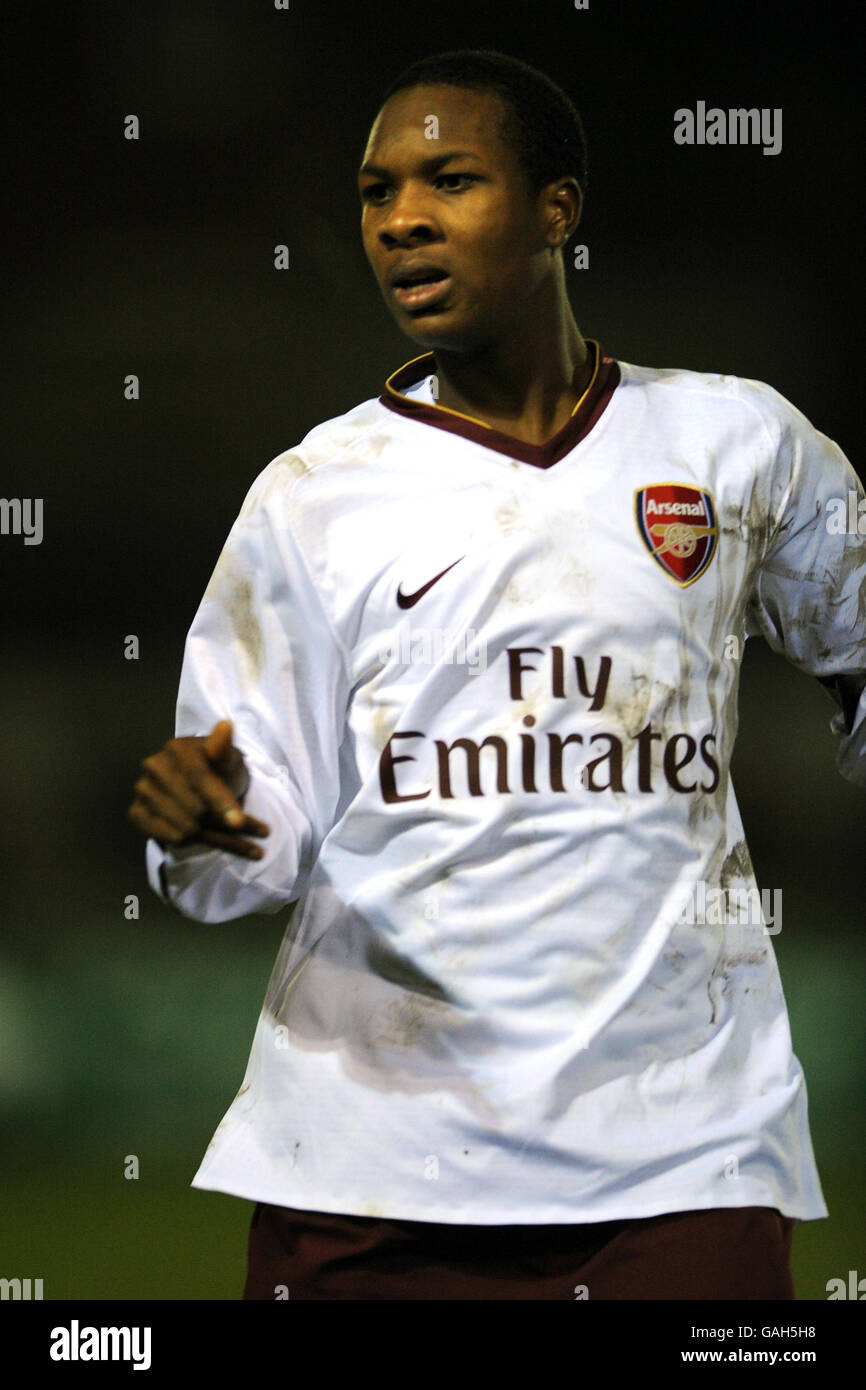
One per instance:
(122, 1036)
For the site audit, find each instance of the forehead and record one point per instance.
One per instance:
(464, 119)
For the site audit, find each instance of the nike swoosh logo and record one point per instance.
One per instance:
(409, 600)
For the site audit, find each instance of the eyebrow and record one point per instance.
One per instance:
(427, 166)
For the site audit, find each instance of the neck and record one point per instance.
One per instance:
(526, 385)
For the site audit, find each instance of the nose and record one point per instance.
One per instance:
(406, 221)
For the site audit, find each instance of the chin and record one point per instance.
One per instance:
(450, 338)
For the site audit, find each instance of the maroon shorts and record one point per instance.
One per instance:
(722, 1253)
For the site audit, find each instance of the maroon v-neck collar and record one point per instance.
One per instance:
(594, 401)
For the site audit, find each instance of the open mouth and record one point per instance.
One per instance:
(421, 290)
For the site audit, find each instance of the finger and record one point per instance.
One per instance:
(251, 826)
(214, 791)
(164, 773)
(226, 760)
(233, 771)
(218, 741)
(164, 806)
(248, 826)
(245, 848)
(154, 826)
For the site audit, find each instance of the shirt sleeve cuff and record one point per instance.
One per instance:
(161, 860)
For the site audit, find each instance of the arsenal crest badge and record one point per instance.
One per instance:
(678, 526)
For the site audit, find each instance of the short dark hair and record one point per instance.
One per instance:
(542, 125)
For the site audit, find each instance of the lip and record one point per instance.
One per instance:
(422, 296)
(410, 267)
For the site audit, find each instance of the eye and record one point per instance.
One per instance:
(375, 192)
(473, 178)
(371, 191)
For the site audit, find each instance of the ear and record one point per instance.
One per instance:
(564, 208)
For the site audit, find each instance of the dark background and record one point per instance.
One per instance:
(129, 1037)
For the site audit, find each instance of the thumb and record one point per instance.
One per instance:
(218, 741)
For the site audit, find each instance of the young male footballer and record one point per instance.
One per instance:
(461, 699)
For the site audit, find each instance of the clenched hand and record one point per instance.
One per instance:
(191, 791)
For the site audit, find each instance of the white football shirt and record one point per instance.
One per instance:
(487, 694)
